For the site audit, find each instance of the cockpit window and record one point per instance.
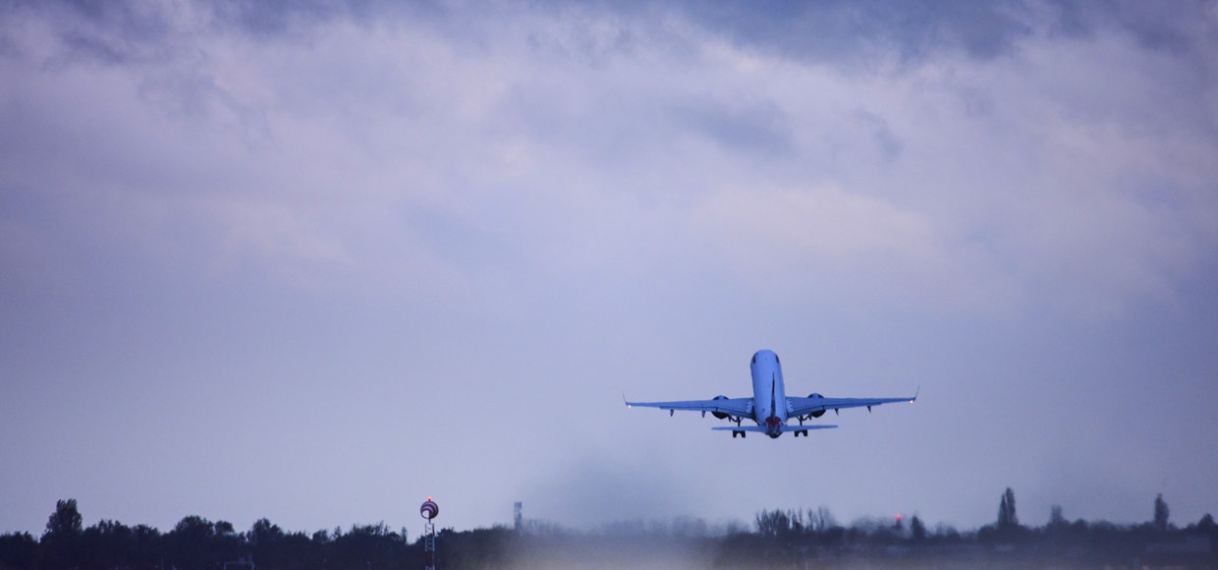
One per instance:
(754, 358)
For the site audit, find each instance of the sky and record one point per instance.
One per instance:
(317, 261)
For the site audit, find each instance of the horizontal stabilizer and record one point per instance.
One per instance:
(785, 429)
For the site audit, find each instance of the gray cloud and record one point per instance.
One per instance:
(854, 32)
(739, 125)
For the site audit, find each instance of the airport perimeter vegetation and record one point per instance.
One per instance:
(776, 539)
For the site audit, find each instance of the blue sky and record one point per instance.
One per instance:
(317, 261)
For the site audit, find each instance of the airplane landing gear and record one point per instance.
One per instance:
(741, 433)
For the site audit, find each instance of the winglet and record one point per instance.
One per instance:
(624, 400)
(915, 398)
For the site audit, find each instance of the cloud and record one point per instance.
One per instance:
(741, 126)
(777, 234)
(901, 168)
(850, 33)
(398, 192)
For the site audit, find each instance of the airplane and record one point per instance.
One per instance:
(770, 407)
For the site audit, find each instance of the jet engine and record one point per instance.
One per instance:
(720, 415)
(819, 413)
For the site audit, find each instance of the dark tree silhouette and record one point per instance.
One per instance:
(196, 543)
(18, 550)
(1007, 519)
(820, 520)
(106, 545)
(773, 523)
(1055, 516)
(65, 521)
(366, 546)
(1161, 513)
(147, 550)
(1206, 522)
(265, 539)
(61, 543)
(917, 530)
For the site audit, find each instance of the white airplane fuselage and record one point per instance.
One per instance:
(769, 395)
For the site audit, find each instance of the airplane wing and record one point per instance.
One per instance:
(804, 406)
(736, 407)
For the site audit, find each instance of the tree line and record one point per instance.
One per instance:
(196, 543)
(778, 539)
(798, 539)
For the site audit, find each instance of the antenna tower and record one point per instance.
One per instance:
(429, 511)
